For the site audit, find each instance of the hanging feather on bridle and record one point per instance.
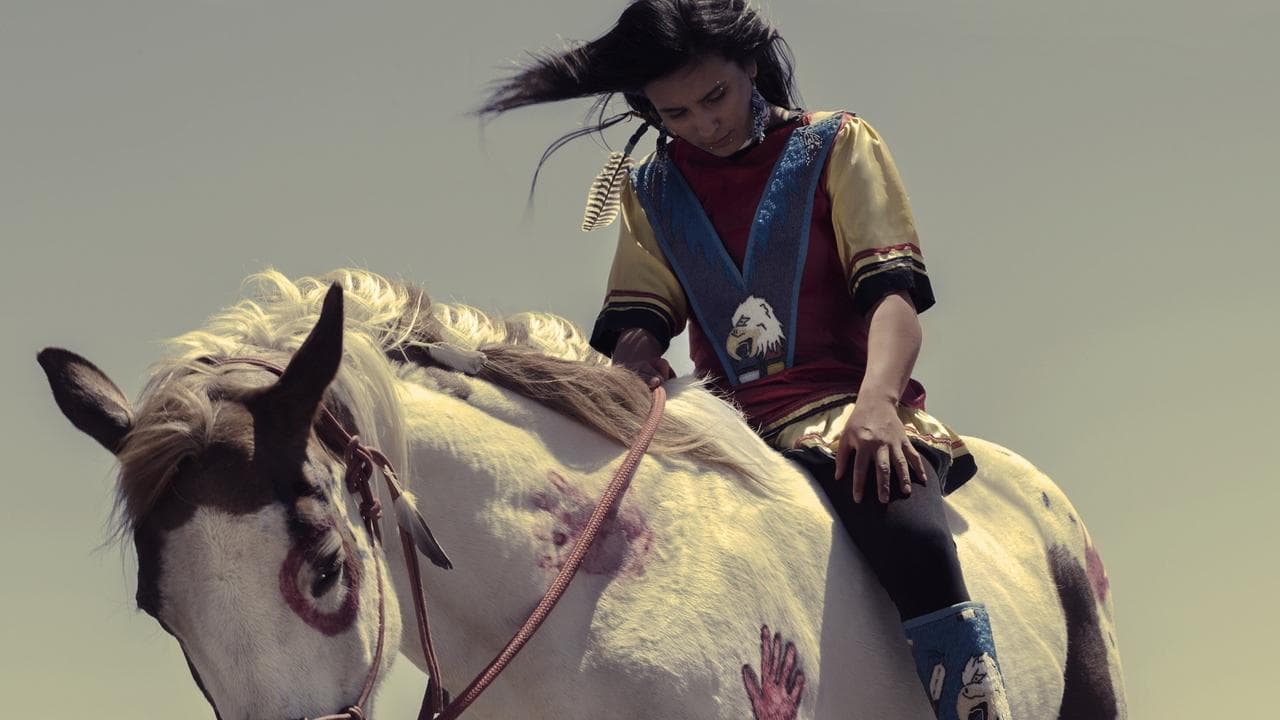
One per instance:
(604, 196)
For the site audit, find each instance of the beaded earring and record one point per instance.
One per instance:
(759, 114)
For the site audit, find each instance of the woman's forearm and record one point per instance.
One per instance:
(893, 344)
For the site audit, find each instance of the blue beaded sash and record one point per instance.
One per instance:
(748, 316)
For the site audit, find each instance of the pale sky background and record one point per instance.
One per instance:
(1095, 185)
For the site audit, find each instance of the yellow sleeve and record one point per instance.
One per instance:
(642, 292)
(875, 230)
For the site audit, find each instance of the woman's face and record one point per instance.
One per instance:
(707, 103)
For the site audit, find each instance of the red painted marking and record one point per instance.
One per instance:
(1097, 573)
(622, 547)
(776, 692)
(303, 605)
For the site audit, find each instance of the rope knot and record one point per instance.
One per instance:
(359, 465)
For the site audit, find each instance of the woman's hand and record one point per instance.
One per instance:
(639, 351)
(875, 436)
(874, 433)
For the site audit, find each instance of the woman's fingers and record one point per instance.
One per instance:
(917, 462)
(879, 453)
(883, 471)
(843, 450)
(656, 372)
(904, 469)
(664, 368)
(653, 372)
(861, 460)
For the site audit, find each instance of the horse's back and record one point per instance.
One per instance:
(781, 559)
(666, 618)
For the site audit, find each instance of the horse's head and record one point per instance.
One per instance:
(248, 551)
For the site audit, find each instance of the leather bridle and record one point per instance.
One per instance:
(361, 460)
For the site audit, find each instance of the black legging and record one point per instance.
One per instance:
(907, 542)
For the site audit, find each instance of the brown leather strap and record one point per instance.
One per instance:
(433, 696)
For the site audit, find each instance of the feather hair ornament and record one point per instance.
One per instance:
(605, 193)
(456, 358)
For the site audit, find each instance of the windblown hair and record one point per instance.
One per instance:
(538, 355)
(652, 39)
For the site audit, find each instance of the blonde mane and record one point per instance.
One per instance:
(538, 355)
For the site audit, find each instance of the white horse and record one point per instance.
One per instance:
(722, 587)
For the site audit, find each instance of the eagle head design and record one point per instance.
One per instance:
(756, 331)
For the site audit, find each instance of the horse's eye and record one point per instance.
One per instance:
(328, 572)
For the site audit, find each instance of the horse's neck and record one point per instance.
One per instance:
(485, 470)
(475, 473)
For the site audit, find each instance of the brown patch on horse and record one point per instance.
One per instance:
(222, 477)
(219, 475)
(185, 413)
(218, 466)
(1087, 692)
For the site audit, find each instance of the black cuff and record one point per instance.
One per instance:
(903, 275)
(615, 318)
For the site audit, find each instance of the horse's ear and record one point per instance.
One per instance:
(298, 392)
(87, 397)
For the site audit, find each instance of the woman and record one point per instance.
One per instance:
(785, 240)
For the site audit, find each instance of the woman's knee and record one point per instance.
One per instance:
(915, 559)
(917, 540)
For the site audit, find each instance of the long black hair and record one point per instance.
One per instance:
(652, 39)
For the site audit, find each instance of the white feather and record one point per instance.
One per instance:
(456, 358)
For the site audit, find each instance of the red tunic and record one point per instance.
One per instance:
(831, 332)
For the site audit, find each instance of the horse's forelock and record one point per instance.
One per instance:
(181, 415)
